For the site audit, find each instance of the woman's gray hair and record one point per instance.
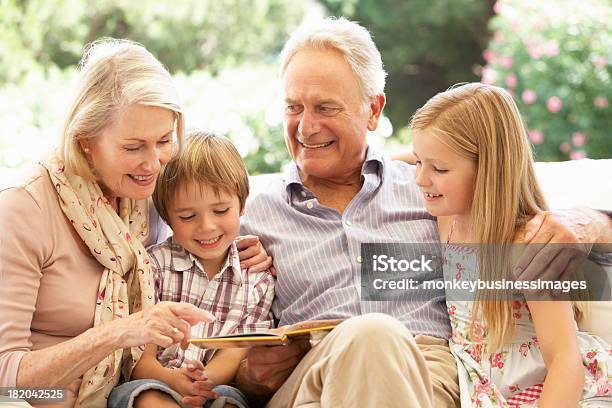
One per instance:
(113, 75)
(350, 39)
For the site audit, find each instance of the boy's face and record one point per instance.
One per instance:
(205, 223)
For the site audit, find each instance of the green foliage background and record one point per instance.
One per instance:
(224, 56)
(557, 50)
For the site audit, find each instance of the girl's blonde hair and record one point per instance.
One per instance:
(113, 75)
(482, 123)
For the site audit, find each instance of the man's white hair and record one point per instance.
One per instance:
(349, 38)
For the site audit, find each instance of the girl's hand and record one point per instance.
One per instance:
(252, 254)
(164, 324)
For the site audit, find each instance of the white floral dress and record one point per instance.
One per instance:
(512, 377)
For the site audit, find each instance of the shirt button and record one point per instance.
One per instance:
(359, 259)
(303, 193)
(309, 205)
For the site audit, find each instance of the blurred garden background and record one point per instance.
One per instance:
(554, 56)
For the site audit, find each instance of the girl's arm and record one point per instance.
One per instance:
(556, 330)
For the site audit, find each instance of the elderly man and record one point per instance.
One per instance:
(337, 194)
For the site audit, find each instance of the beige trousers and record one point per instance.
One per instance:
(373, 361)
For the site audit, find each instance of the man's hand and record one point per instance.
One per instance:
(253, 255)
(559, 241)
(269, 367)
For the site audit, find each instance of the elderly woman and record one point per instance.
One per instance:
(77, 294)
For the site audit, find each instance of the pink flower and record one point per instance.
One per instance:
(599, 61)
(489, 56)
(534, 50)
(577, 155)
(483, 388)
(536, 136)
(506, 62)
(551, 48)
(591, 354)
(593, 367)
(511, 81)
(529, 96)
(499, 37)
(600, 101)
(578, 138)
(477, 332)
(554, 104)
(604, 387)
(497, 7)
(565, 147)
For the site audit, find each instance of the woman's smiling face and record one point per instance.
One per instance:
(127, 156)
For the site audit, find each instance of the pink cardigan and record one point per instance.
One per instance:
(48, 278)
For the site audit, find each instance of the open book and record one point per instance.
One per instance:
(274, 337)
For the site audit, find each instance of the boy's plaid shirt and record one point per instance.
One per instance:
(240, 301)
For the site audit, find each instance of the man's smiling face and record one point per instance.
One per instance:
(326, 120)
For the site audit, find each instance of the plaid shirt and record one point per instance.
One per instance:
(240, 301)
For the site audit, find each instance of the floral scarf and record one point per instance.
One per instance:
(126, 285)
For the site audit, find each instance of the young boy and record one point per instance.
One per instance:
(201, 194)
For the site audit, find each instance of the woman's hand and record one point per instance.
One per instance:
(164, 324)
(253, 255)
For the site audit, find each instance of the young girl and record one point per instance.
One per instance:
(475, 169)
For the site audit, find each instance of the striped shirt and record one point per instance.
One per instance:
(316, 250)
(240, 301)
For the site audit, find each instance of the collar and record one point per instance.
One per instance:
(373, 163)
(182, 260)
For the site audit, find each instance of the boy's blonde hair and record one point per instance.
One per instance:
(482, 123)
(114, 74)
(206, 159)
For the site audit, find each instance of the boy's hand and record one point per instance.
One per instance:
(193, 384)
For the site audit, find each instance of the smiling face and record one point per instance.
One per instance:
(129, 153)
(325, 120)
(205, 223)
(446, 178)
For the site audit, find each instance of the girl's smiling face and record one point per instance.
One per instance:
(446, 178)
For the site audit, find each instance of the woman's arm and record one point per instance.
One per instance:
(61, 364)
(26, 247)
(556, 330)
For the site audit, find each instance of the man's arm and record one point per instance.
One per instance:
(265, 369)
(569, 236)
